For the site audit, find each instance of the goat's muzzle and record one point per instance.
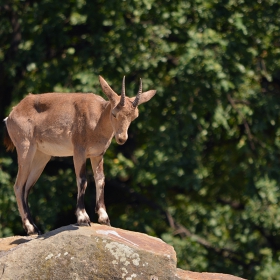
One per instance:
(121, 138)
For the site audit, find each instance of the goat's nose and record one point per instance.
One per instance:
(121, 139)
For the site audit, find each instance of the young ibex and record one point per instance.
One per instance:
(76, 124)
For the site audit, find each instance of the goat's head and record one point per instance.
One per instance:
(124, 109)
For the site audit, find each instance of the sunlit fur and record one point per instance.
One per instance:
(68, 124)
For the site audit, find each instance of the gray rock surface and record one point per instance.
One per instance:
(96, 252)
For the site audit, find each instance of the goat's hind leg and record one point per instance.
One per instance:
(25, 152)
(38, 164)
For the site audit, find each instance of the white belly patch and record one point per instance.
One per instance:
(55, 149)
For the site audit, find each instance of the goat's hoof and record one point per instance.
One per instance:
(105, 222)
(34, 233)
(84, 223)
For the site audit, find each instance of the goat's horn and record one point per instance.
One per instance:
(137, 98)
(123, 92)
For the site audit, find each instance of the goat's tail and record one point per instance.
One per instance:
(7, 139)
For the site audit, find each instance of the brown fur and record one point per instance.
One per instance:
(74, 124)
(8, 141)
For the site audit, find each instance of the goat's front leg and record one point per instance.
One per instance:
(100, 209)
(80, 170)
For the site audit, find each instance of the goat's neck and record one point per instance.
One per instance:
(104, 126)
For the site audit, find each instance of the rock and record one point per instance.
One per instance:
(189, 275)
(96, 252)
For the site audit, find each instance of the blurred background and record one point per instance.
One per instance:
(201, 168)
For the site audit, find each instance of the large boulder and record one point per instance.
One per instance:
(96, 252)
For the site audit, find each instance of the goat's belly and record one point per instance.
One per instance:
(55, 149)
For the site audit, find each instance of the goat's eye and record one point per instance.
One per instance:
(114, 115)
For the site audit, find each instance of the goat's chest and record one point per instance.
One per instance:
(98, 147)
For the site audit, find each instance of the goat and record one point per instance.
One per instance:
(75, 124)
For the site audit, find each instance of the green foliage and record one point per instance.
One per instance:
(8, 211)
(201, 166)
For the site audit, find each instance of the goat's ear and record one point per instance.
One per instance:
(146, 96)
(112, 96)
